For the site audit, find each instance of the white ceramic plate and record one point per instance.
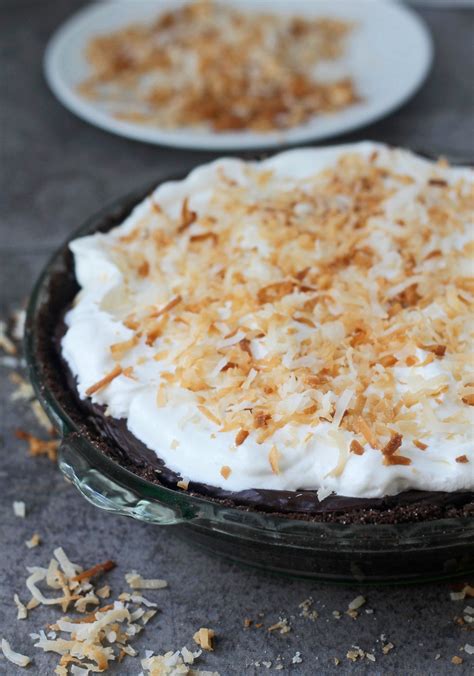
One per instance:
(388, 55)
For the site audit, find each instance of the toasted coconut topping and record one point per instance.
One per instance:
(227, 70)
(356, 447)
(187, 216)
(90, 641)
(12, 656)
(204, 637)
(118, 350)
(103, 592)
(95, 570)
(226, 471)
(393, 445)
(282, 626)
(39, 446)
(6, 344)
(419, 444)
(241, 437)
(438, 350)
(361, 426)
(22, 610)
(174, 664)
(167, 307)
(24, 389)
(136, 581)
(357, 603)
(19, 508)
(273, 458)
(331, 306)
(103, 382)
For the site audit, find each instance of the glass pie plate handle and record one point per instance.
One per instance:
(105, 492)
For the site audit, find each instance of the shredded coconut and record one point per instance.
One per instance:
(14, 657)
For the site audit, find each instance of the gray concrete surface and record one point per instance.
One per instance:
(55, 171)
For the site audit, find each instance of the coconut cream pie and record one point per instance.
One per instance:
(287, 334)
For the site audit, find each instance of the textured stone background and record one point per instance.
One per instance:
(55, 171)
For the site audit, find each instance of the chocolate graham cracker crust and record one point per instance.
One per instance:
(112, 437)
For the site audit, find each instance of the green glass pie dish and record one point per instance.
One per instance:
(410, 551)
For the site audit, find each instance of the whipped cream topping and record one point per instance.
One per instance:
(297, 323)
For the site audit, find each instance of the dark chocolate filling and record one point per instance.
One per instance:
(114, 439)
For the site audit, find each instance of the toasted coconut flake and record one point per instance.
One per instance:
(203, 236)
(143, 269)
(357, 603)
(38, 447)
(136, 581)
(19, 508)
(147, 615)
(209, 415)
(103, 592)
(39, 576)
(438, 350)
(356, 447)
(396, 460)
(119, 350)
(388, 360)
(273, 458)
(366, 432)
(98, 569)
(103, 382)
(83, 602)
(341, 444)
(341, 406)
(241, 437)
(261, 419)
(69, 568)
(467, 590)
(273, 292)
(225, 471)
(393, 445)
(14, 657)
(173, 664)
(204, 637)
(41, 417)
(419, 444)
(161, 397)
(187, 216)
(32, 604)
(266, 83)
(167, 307)
(24, 389)
(6, 344)
(22, 610)
(282, 626)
